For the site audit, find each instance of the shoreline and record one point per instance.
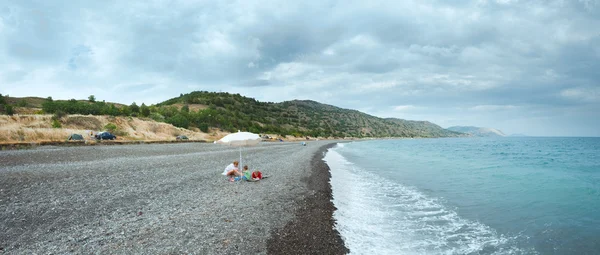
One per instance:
(311, 231)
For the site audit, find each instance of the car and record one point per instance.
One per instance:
(181, 137)
(105, 136)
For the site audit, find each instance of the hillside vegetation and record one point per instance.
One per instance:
(206, 112)
(298, 117)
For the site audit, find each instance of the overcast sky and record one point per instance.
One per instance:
(530, 67)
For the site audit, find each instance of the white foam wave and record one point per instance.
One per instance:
(378, 216)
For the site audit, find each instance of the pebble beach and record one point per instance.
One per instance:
(166, 198)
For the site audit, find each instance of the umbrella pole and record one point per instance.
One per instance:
(240, 166)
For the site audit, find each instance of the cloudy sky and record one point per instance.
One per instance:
(530, 67)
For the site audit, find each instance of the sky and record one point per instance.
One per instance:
(524, 67)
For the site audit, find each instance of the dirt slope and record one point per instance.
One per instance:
(35, 128)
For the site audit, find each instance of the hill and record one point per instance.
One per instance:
(205, 112)
(299, 118)
(478, 131)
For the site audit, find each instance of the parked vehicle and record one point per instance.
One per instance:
(105, 136)
(181, 137)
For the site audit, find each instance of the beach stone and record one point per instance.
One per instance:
(79, 200)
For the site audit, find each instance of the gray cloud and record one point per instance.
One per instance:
(515, 65)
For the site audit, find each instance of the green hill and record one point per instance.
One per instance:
(231, 112)
(299, 117)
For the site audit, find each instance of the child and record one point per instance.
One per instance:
(251, 176)
(246, 175)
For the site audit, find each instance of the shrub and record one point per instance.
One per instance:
(203, 127)
(9, 110)
(56, 123)
(110, 127)
(58, 115)
(157, 117)
(119, 132)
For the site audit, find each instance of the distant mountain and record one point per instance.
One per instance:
(478, 131)
(423, 127)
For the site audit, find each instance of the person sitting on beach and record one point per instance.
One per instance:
(257, 176)
(253, 176)
(232, 170)
(246, 174)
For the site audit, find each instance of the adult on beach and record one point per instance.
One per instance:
(232, 170)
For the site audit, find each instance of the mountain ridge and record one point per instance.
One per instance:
(478, 131)
(308, 117)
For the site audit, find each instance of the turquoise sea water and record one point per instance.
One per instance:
(468, 195)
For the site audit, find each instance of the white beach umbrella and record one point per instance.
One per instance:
(240, 139)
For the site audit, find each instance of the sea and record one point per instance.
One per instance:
(509, 195)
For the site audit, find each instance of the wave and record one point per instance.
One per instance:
(378, 216)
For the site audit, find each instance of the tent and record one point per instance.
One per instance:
(75, 137)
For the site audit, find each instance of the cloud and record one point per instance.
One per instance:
(456, 60)
(487, 108)
(402, 108)
(583, 94)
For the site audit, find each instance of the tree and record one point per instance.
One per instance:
(254, 129)
(203, 127)
(113, 110)
(9, 110)
(157, 117)
(185, 108)
(92, 98)
(168, 111)
(2, 100)
(179, 121)
(134, 108)
(22, 103)
(144, 110)
(125, 110)
(48, 106)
